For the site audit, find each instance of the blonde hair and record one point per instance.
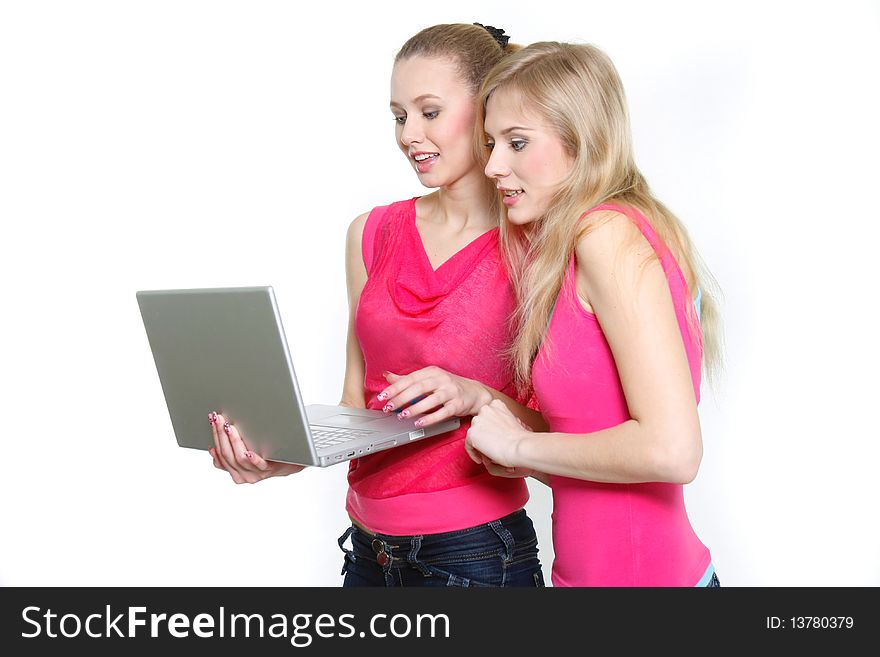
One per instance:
(577, 91)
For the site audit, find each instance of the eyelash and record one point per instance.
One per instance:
(516, 144)
(400, 120)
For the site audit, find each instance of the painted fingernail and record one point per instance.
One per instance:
(388, 407)
(212, 417)
(403, 414)
(249, 455)
(382, 396)
(419, 423)
(226, 426)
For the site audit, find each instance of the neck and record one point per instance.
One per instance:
(463, 205)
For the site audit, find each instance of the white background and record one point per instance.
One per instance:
(189, 144)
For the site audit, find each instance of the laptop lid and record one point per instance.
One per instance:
(224, 350)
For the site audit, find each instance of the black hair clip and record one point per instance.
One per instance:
(497, 34)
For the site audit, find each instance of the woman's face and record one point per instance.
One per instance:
(528, 162)
(434, 114)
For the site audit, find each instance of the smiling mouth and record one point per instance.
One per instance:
(510, 193)
(421, 157)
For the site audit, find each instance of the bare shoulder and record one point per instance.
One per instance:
(356, 227)
(609, 240)
(353, 239)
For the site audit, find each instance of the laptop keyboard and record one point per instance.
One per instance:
(330, 436)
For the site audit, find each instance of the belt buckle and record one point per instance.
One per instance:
(382, 557)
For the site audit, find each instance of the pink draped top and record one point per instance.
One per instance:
(411, 316)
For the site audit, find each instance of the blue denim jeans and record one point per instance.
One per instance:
(503, 552)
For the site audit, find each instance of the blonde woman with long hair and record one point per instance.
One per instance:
(615, 320)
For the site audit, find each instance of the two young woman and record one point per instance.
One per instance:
(605, 333)
(607, 329)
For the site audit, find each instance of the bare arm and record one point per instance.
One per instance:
(632, 302)
(355, 279)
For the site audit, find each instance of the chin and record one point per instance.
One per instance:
(430, 178)
(426, 180)
(517, 217)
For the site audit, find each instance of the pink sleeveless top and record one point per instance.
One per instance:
(608, 534)
(411, 316)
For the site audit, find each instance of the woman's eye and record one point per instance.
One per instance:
(518, 144)
(430, 115)
(400, 120)
(490, 145)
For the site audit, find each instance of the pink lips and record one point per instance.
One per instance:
(425, 165)
(509, 201)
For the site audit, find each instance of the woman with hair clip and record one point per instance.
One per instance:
(429, 302)
(609, 332)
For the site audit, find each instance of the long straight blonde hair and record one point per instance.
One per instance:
(577, 91)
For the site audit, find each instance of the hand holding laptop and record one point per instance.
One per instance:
(245, 466)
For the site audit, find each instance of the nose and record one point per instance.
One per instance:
(496, 167)
(411, 132)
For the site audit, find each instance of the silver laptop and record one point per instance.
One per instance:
(224, 350)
